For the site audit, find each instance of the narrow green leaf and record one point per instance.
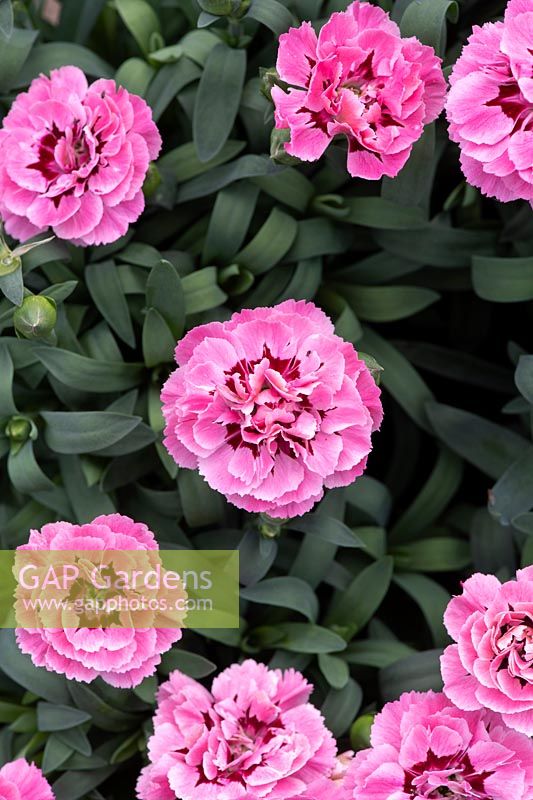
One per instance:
(503, 280)
(104, 284)
(426, 19)
(46, 57)
(85, 432)
(351, 610)
(488, 446)
(88, 374)
(218, 98)
(51, 717)
(272, 14)
(286, 592)
(141, 21)
(270, 244)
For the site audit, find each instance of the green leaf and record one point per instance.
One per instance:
(272, 14)
(87, 501)
(85, 432)
(88, 374)
(202, 291)
(376, 212)
(328, 529)
(185, 165)
(387, 303)
(512, 494)
(270, 244)
(289, 187)
(6, 19)
(55, 754)
(232, 213)
(12, 286)
(503, 280)
(437, 245)
(431, 599)
(249, 166)
(164, 293)
(25, 473)
(492, 544)
(75, 785)
(192, 664)
(524, 377)
(141, 21)
(158, 340)
(286, 592)
(104, 284)
(218, 98)
(46, 57)
(432, 500)
(14, 54)
(488, 446)
(135, 75)
(352, 609)
(399, 377)
(103, 715)
(51, 717)
(419, 673)
(298, 637)
(20, 669)
(334, 669)
(7, 404)
(375, 653)
(341, 706)
(437, 554)
(201, 504)
(426, 19)
(414, 184)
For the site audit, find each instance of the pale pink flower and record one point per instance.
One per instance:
(253, 736)
(358, 79)
(271, 407)
(423, 748)
(74, 158)
(490, 105)
(122, 656)
(22, 781)
(491, 665)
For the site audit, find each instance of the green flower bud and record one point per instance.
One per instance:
(224, 8)
(374, 366)
(278, 140)
(360, 732)
(152, 181)
(36, 318)
(19, 430)
(269, 79)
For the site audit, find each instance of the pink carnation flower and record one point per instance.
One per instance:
(74, 158)
(490, 105)
(361, 80)
(253, 736)
(492, 664)
(271, 407)
(425, 748)
(22, 781)
(122, 656)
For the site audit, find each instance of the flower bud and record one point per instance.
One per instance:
(360, 732)
(152, 181)
(224, 8)
(19, 430)
(278, 140)
(269, 79)
(36, 317)
(374, 366)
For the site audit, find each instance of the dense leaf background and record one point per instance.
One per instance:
(431, 279)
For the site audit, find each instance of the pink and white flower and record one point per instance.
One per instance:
(360, 80)
(423, 748)
(22, 781)
(74, 157)
(123, 656)
(253, 736)
(490, 105)
(271, 407)
(491, 666)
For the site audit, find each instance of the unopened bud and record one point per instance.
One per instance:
(36, 318)
(152, 181)
(19, 430)
(269, 79)
(278, 139)
(360, 732)
(374, 367)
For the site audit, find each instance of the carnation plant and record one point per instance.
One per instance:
(265, 285)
